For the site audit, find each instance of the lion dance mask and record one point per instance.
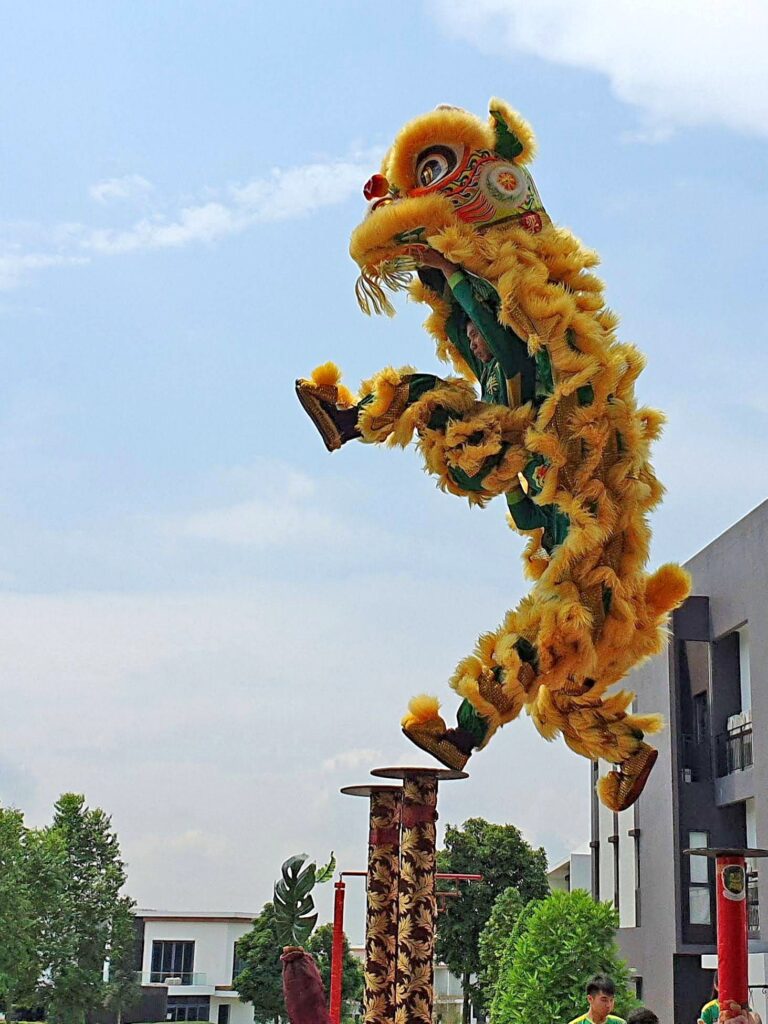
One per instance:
(541, 411)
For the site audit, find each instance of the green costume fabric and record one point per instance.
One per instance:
(710, 1012)
(511, 365)
(512, 375)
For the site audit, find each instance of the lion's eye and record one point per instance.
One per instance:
(433, 164)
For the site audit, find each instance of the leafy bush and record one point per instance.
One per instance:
(557, 945)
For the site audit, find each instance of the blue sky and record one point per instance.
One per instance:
(209, 623)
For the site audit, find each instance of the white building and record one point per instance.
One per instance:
(575, 872)
(192, 955)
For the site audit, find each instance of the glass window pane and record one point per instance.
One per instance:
(698, 905)
(699, 869)
(697, 840)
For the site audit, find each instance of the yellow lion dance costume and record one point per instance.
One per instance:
(555, 429)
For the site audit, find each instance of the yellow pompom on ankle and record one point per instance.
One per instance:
(423, 710)
(327, 375)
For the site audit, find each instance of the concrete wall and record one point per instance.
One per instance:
(650, 945)
(731, 580)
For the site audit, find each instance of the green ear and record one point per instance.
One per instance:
(507, 143)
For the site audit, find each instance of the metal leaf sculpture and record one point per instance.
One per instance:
(294, 907)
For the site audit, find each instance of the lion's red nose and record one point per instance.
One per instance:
(376, 187)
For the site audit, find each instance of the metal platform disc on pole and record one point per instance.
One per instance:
(369, 790)
(439, 774)
(726, 851)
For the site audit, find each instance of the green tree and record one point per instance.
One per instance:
(494, 938)
(19, 963)
(79, 861)
(123, 990)
(559, 945)
(320, 946)
(260, 978)
(501, 855)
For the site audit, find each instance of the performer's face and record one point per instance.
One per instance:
(600, 1005)
(477, 343)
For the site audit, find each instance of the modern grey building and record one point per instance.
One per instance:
(709, 786)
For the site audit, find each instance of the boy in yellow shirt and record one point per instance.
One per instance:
(601, 996)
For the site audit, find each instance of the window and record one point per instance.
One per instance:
(699, 893)
(223, 1015)
(188, 1008)
(745, 682)
(173, 959)
(701, 717)
(238, 964)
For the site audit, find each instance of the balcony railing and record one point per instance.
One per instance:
(734, 750)
(171, 978)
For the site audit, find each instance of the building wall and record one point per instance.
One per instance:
(683, 792)
(734, 572)
(214, 945)
(213, 960)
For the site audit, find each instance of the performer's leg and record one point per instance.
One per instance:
(340, 416)
(474, 449)
(602, 729)
(495, 683)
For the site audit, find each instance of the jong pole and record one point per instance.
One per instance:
(381, 900)
(417, 905)
(732, 928)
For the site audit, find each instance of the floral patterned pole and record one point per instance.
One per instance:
(417, 906)
(381, 902)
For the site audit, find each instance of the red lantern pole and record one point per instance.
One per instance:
(732, 928)
(337, 956)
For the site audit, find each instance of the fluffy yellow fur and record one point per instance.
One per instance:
(445, 125)
(593, 612)
(423, 710)
(326, 375)
(329, 375)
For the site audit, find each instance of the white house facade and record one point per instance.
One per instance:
(192, 958)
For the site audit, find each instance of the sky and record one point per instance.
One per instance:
(209, 624)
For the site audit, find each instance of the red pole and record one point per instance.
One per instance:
(337, 955)
(732, 934)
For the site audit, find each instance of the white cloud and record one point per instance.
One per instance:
(261, 524)
(15, 266)
(692, 62)
(283, 194)
(285, 516)
(203, 223)
(212, 723)
(129, 187)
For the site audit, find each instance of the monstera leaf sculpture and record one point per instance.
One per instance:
(294, 907)
(295, 918)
